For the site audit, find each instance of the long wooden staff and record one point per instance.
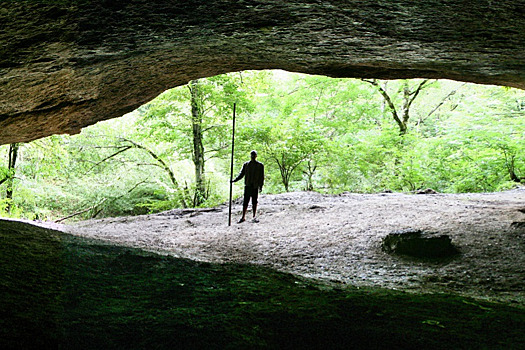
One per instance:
(231, 169)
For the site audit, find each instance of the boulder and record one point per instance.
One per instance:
(427, 191)
(419, 244)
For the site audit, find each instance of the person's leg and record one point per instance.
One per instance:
(255, 195)
(245, 202)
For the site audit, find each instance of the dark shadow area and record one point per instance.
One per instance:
(60, 291)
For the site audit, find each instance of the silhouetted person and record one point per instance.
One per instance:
(253, 173)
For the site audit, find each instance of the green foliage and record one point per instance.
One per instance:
(311, 132)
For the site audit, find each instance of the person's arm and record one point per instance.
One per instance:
(241, 174)
(262, 177)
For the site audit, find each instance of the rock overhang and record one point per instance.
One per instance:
(67, 64)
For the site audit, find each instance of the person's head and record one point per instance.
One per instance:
(253, 154)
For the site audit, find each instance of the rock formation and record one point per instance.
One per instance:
(416, 243)
(67, 64)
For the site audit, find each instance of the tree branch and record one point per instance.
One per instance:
(409, 99)
(161, 163)
(450, 94)
(81, 212)
(402, 126)
(215, 150)
(123, 149)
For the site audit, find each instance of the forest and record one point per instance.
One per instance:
(313, 133)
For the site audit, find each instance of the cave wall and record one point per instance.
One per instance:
(67, 64)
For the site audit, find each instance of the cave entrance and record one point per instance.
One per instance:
(314, 133)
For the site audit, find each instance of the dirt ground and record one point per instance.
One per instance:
(337, 239)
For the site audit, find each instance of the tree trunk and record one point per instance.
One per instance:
(405, 109)
(13, 154)
(198, 148)
(309, 172)
(285, 174)
(286, 168)
(510, 164)
(386, 97)
(408, 97)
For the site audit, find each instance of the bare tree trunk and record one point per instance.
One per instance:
(198, 147)
(309, 172)
(402, 126)
(408, 97)
(13, 154)
(510, 161)
(405, 109)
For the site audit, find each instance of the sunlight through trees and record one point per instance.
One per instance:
(312, 133)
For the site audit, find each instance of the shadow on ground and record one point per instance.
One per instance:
(60, 291)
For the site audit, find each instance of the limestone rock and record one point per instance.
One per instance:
(417, 243)
(426, 191)
(67, 64)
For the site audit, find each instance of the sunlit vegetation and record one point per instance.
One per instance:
(312, 133)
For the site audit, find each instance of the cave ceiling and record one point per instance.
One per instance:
(65, 65)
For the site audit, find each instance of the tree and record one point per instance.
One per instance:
(510, 154)
(195, 120)
(197, 137)
(159, 162)
(289, 143)
(9, 176)
(124, 153)
(311, 132)
(409, 95)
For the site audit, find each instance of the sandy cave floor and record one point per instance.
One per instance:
(338, 239)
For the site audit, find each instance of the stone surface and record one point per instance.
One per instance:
(417, 243)
(426, 191)
(67, 64)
